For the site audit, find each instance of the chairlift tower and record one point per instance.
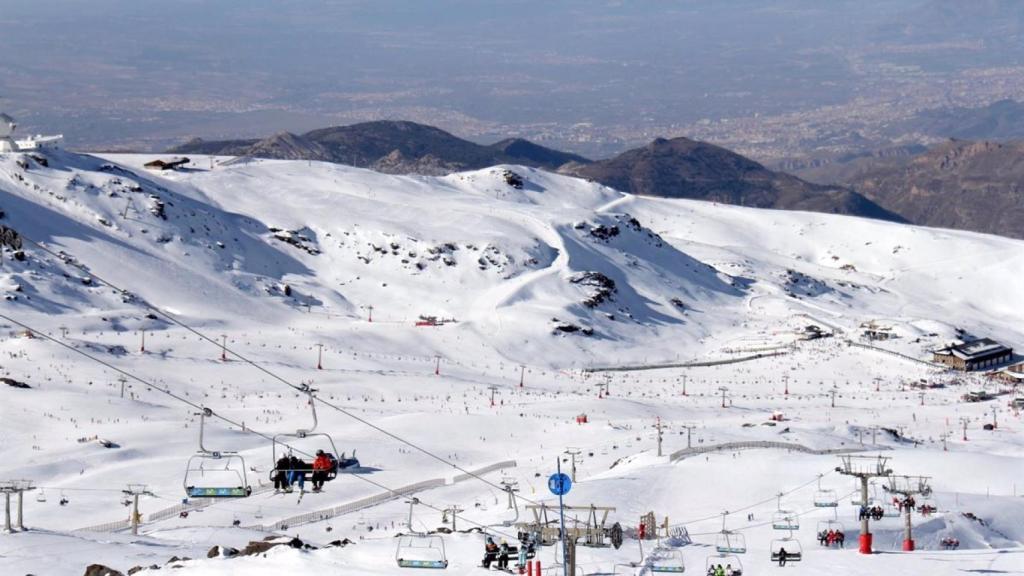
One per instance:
(865, 468)
(689, 434)
(724, 390)
(907, 487)
(661, 434)
(18, 487)
(573, 453)
(134, 491)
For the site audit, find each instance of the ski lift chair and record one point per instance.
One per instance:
(785, 520)
(668, 563)
(825, 499)
(41, 496)
(325, 441)
(730, 543)
(725, 560)
(794, 553)
(229, 481)
(824, 526)
(421, 551)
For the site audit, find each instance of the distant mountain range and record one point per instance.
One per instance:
(677, 168)
(684, 168)
(392, 147)
(961, 184)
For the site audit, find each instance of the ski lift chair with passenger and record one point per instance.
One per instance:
(794, 552)
(418, 550)
(724, 560)
(833, 526)
(324, 440)
(229, 481)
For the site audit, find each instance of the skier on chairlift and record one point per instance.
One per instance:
(321, 466)
(281, 481)
(296, 473)
(490, 552)
(503, 551)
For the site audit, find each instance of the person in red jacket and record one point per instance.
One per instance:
(321, 466)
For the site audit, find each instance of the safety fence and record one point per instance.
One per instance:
(165, 513)
(485, 470)
(693, 364)
(759, 444)
(377, 499)
(108, 527)
(894, 353)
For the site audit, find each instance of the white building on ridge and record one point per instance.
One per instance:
(37, 142)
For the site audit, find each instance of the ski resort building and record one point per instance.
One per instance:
(1013, 374)
(37, 142)
(168, 164)
(974, 355)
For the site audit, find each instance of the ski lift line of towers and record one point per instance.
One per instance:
(206, 412)
(224, 349)
(864, 469)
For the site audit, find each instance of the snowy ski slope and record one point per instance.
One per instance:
(559, 284)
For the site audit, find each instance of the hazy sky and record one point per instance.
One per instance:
(139, 72)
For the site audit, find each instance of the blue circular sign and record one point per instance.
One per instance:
(559, 484)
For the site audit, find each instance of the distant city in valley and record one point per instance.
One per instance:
(787, 83)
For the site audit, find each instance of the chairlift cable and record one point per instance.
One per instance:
(223, 347)
(170, 393)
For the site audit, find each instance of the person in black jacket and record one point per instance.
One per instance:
(297, 473)
(281, 481)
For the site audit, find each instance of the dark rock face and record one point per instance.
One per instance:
(976, 186)
(684, 168)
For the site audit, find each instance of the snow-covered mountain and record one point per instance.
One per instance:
(424, 292)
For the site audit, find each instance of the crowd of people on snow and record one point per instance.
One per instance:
(949, 543)
(290, 470)
(717, 570)
(831, 537)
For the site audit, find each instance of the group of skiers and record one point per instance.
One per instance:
(714, 570)
(874, 512)
(950, 543)
(831, 537)
(500, 553)
(907, 502)
(291, 470)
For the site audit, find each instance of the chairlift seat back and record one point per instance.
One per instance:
(218, 492)
(430, 564)
(790, 556)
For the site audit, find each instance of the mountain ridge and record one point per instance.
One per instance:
(677, 168)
